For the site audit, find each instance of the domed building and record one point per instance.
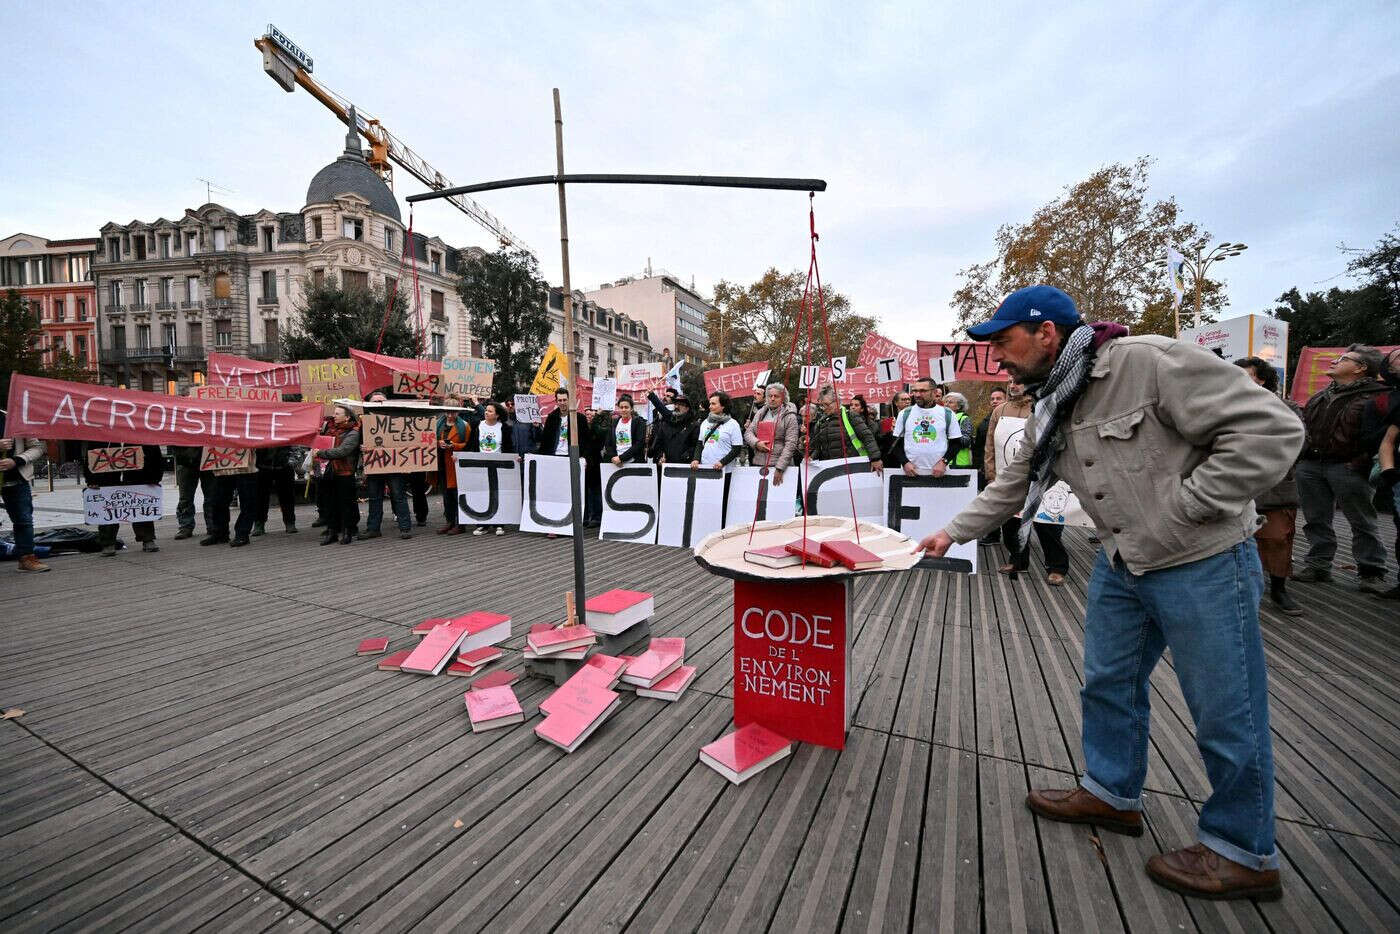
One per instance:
(169, 291)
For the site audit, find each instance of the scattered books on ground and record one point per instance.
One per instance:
(373, 647)
(493, 708)
(617, 611)
(436, 651)
(774, 556)
(470, 663)
(428, 625)
(623, 685)
(609, 665)
(671, 687)
(588, 674)
(494, 679)
(551, 642)
(576, 711)
(394, 662)
(661, 658)
(482, 629)
(741, 755)
(572, 655)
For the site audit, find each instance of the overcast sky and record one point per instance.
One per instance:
(1273, 123)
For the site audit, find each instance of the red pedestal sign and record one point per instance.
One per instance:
(792, 658)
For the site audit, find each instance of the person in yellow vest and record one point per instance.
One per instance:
(957, 402)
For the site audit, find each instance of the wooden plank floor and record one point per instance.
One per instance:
(201, 749)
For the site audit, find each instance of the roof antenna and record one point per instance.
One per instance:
(210, 187)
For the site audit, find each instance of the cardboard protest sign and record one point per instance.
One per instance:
(489, 490)
(226, 461)
(116, 458)
(605, 394)
(546, 494)
(692, 504)
(943, 369)
(972, 360)
(877, 347)
(108, 505)
(231, 370)
(920, 506)
(398, 442)
(753, 496)
(888, 370)
(53, 408)
(258, 393)
(324, 381)
(829, 494)
(792, 660)
(468, 376)
(735, 380)
(554, 369)
(632, 377)
(630, 503)
(415, 383)
(527, 409)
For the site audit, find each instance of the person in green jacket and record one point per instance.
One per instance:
(958, 403)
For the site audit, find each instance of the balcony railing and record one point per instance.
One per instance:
(268, 300)
(195, 305)
(165, 306)
(143, 306)
(115, 309)
(268, 352)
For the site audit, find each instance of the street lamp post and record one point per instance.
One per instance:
(1198, 265)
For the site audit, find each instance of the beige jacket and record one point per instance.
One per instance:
(1166, 449)
(25, 452)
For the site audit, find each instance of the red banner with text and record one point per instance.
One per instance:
(879, 347)
(226, 369)
(51, 408)
(376, 371)
(1311, 377)
(736, 380)
(972, 359)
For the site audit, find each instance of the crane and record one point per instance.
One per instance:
(289, 66)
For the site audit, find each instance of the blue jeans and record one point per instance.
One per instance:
(19, 503)
(1207, 612)
(397, 486)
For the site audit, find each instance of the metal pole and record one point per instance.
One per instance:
(694, 181)
(567, 410)
(1200, 271)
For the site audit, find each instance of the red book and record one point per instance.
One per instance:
(608, 665)
(491, 708)
(541, 627)
(775, 556)
(851, 555)
(373, 647)
(572, 655)
(428, 625)
(482, 628)
(560, 639)
(627, 661)
(577, 711)
(650, 667)
(675, 644)
(766, 432)
(618, 610)
(479, 657)
(394, 662)
(461, 669)
(593, 677)
(494, 680)
(437, 649)
(671, 687)
(745, 752)
(811, 551)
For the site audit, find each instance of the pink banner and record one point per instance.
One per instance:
(1310, 377)
(376, 371)
(879, 347)
(582, 396)
(51, 408)
(226, 369)
(973, 359)
(859, 381)
(735, 380)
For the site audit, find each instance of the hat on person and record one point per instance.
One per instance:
(681, 400)
(1034, 303)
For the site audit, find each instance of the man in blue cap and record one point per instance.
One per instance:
(1166, 445)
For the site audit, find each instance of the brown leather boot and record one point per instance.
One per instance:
(1078, 806)
(31, 563)
(1201, 872)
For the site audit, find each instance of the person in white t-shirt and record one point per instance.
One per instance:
(492, 436)
(627, 441)
(720, 440)
(927, 434)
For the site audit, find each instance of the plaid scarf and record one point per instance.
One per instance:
(1054, 400)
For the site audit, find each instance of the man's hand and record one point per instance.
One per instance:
(877, 467)
(617, 461)
(940, 468)
(694, 465)
(7, 463)
(762, 446)
(909, 470)
(777, 477)
(937, 544)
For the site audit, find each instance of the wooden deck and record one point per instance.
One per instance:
(201, 749)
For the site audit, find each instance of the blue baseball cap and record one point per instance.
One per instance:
(1034, 303)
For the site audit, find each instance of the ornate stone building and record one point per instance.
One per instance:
(169, 291)
(603, 338)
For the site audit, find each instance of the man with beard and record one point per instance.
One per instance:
(1166, 445)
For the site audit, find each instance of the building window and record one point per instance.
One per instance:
(191, 288)
(437, 306)
(318, 278)
(592, 348)
(82, 309)
(194, 332)
(140, 296)
(143, 337)
(58, 309)
(316, 227)
(356, 280)
(439, 345)
(82, 354)
(79, 268)
(436, 262)
(354, 229)
(140, 243)
(223, 333)
(167, 290)
(114, 249)
(191, 242)
(476, 348)
(167, 337)
(269, 286)
(223, 286)
(270, 333)
(220, 239)
(388, 239)
(114, 292)
(119, 337)
(267, 239)
(165, 246)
